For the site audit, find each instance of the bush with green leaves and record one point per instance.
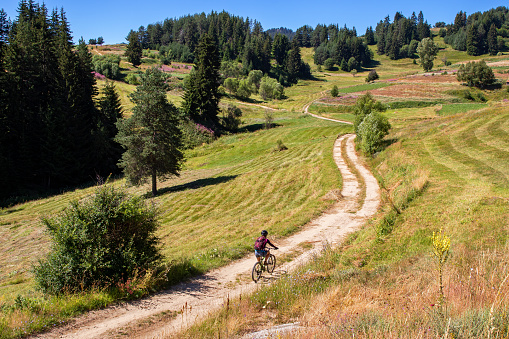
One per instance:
(334, 91)
(195, 135)
(476, 74)
(231, 118)
(254, 78)
(107, 65)
(101, 240)
(373, 128)
(231, 85)
(270, 88)
(244, 90)
(364, 106)
(372, 76)
(329, 64)
(132, 79)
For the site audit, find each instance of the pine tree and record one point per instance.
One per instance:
(151, 137)
(201, 99)
(108, 151)
(369, 36)
(472, 40)
(294, 63)
(133, 50)
(492, 40)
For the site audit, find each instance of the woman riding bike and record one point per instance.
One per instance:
(260, 244)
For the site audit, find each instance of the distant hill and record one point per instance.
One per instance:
(282, 30)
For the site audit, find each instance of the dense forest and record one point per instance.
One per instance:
(245, 41)
(479, 33)
(52, 131)
(400, 38)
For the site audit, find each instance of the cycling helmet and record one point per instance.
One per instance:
(264, 232)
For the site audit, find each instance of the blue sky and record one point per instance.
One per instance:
(112, 19)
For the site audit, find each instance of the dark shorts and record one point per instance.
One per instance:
(260, 253)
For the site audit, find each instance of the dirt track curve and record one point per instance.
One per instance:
(200, 295)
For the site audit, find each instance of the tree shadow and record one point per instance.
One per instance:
(387, 142)
(255, 127)
(195, 184)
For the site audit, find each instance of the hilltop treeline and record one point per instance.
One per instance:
(342, 46)
(282, 30)
(244, 40)
(52, 133)
(479, 33)
(234, 35)
(400, 38)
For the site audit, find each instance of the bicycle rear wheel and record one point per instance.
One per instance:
(271, 263)
(257, 272)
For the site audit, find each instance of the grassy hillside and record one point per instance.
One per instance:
(445, 166)
(449, 173)
(228, 192)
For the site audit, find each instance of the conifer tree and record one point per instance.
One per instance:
(108, 151)
(151, 137)
(294, 63)
(134, 49)
(492, 40)
(280, 48)
(472, 40)
(201, 99)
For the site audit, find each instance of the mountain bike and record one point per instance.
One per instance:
(264, 265)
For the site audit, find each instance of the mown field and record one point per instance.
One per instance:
(447, 173)
(444, 169)
(445, 166)
(228, 191)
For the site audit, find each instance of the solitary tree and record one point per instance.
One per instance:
(334, 91)
(151, 137)
(427, 51)
(476, 74)
(134, 50)
(370, 126)
(201, 99)
(364, 106)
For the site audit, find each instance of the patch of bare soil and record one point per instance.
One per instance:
(179, 307)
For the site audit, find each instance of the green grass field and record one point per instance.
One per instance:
(228, 191)
(445, 166)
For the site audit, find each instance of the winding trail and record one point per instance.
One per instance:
(151, 317)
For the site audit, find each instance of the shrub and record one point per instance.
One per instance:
(194, 134)
(329, 64)
(270, 89)
(280, 146)
(244, 90)
(106, 238)
(107, 65)
(132, 79)
(253, 79)
(334, 91)
(372, 130)
(231, 84)
(372, 76)
(365, 105)
(269, 119)
(476, 74)
(231, 118)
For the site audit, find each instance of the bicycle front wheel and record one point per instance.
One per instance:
(257, 272)
(271, 263)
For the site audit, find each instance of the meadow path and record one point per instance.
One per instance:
(154, 317)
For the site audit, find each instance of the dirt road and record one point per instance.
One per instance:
(151, 317)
